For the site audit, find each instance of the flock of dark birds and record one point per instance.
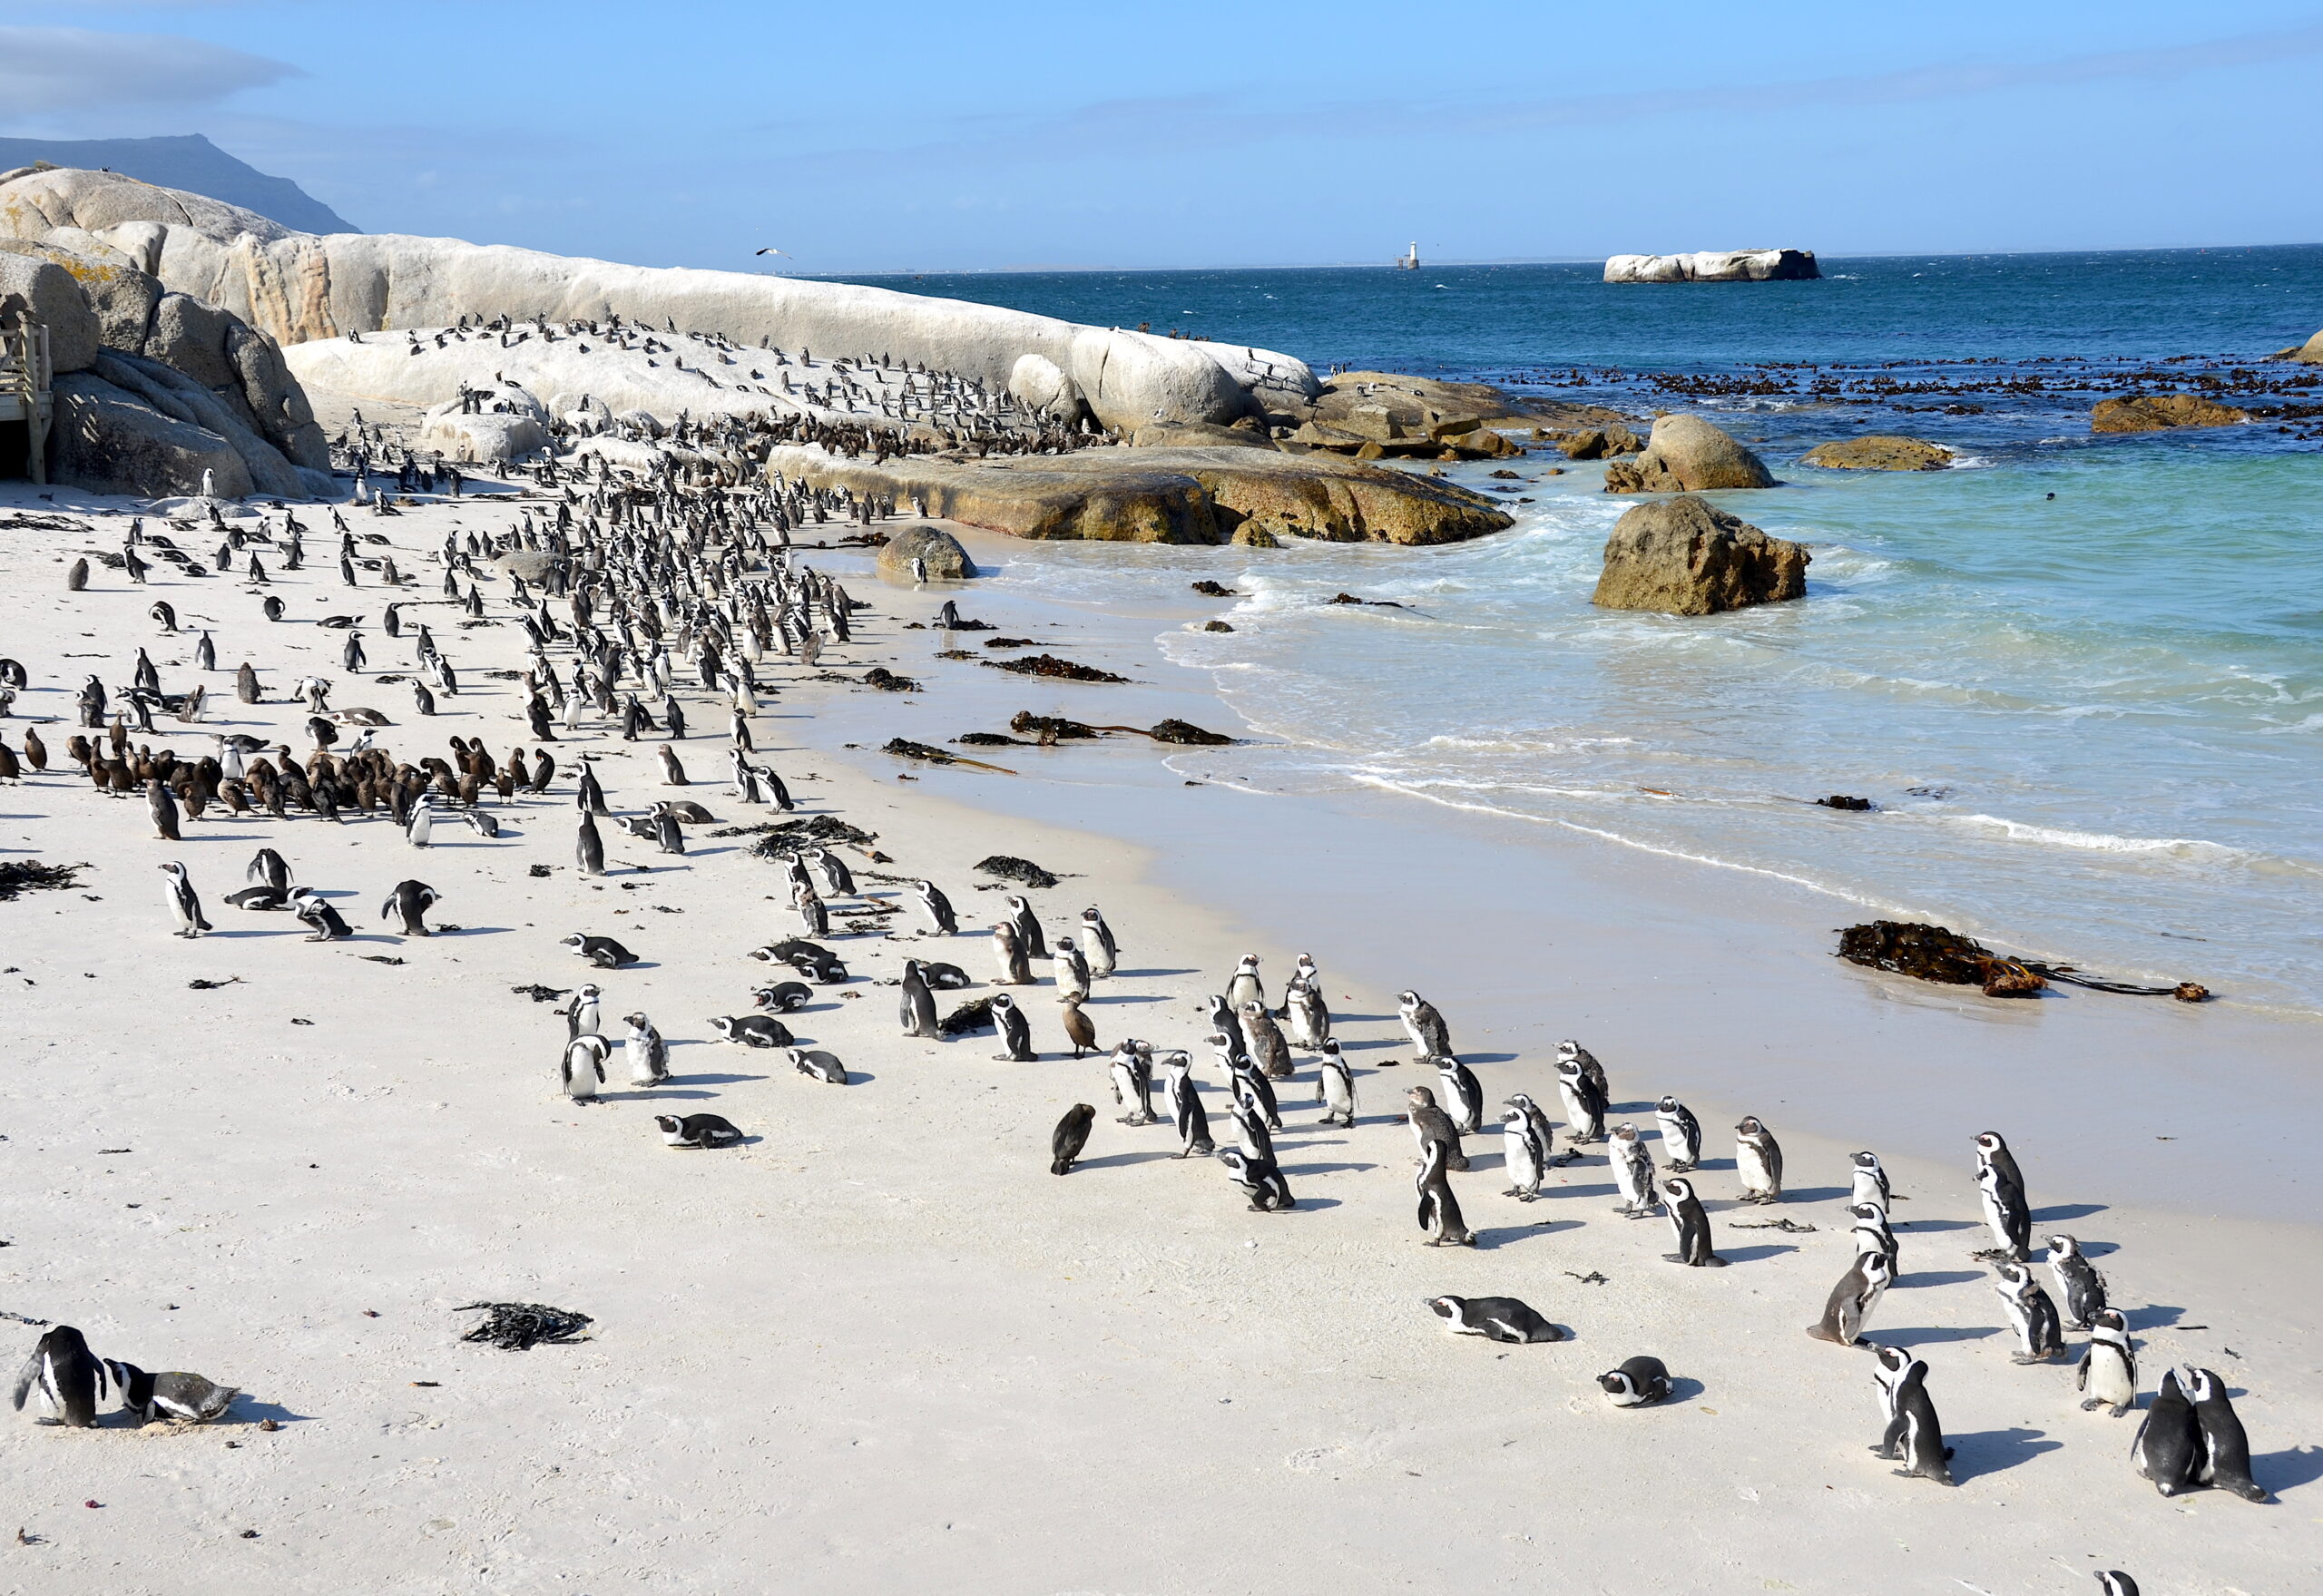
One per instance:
(632, 586)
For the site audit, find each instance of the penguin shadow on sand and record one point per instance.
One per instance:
(1930, 1334)
(2057, 1211)
(1918, 1278)
(1111, 1160)
(1993, 1452)
(1754, 1252)
(1815, 1194)
(2153, 1316)
(1312, 1145)
(2289, 1469)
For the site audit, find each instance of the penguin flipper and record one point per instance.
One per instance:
(25, 1377)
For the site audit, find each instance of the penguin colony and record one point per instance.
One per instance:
(684, 581)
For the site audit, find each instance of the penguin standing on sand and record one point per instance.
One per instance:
(68, 1377)
(1097, 943)
(1306, 1017)
(1249, 1082)
(1262, 1042)
(582, 1070)
(589, 848)
(1185, 1105)
(585, 1017)
(2005, 1213)
(1070, 1136)
(1992, 1149)
(1132, 1076)
(2078, 1282)
(1424, 1025)
(1008, 953)
(1439, 1210)
(938, 907)
(2108, 1374)
(1682, 1134)
(648, 1054)
(1521, 1155)
(1913, 1436)
(1464, 1094)
(1874, 1234)
(1585, 1104)
(2225, 1461)
(1028, 926)
(1335, 1085)
(2168, 1444)
(1633, 1162)
(184, 902)
(1430, 1123)
(1071, 970)
(163, 807)
(2031, 1313)
(1689, 1224)
(1852, 1300)
(917, 1002)
(1244, 985)
(421, 831)
(1869, 1182)
(268, 868)
(1016, 1031)
(411, 900)
(1758, 1160)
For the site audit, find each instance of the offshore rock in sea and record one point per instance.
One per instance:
(2160, 412)
(1715, 266)
(1687, 455)
(1685, 556)
(946, 559)
(1879, 452)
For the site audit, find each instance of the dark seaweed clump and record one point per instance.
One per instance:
(519, 1327)
(1008, 868)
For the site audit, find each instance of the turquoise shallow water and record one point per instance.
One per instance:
(2093, 722)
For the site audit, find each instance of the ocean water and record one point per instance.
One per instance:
(2093, 722)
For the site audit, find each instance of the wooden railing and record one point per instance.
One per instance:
(26, 376)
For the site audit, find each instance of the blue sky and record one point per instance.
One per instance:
(917, 136)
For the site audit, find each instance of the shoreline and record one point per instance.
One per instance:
(880, 1344)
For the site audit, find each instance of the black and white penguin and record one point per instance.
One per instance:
(819, 1065)
(697, 1130)
(162, 804)
(1424, 1025)
(673, 774)
(1028, 926)
(1991, 1149)
(2108, 1373)
(588, 847)
(751, 1029)
(1495, 1318)
(2040, 1337)
(2078, 1282)
(1689, 1224)
(1186, 1112)
(1439, 1210)
(323, 921)
(1585, 1104)
(1852, 1300)
(2005, 1213)
(1640, 1382)
(411, 900)
(915, 1003)
(1913, 1436)
(205, 655)
(1464, 1094)
(1431, 1123)
(1071, 1136)
(1133, 1078)
(1869, 1180)
(174, 1394)
(259, 898)
(784, 997)
(1874, 1234)
(1069, 969)
(185, 904)
(1335, 1085)
(586, 1017)
(1633, 1162)
(269, 868)
(600, 951)
(1244, 985)
(1097, 943)
(814, 914)
(1008, 954)
(1262, 1042)
(2112, 1582)
(1521, 1155)
(1570, 1051)
(668, 834)
(1250, 1086)
(1307, 1018)
(1682, 1134)
(2225, 1461)
(1757, 1160)
(648, 1054)
(580, 1073)
(2168, 1446)
(1016, 1031)
(938, 907)
(1261, 1180)
(1223, 1023)
(68, 1377)
(944, 977)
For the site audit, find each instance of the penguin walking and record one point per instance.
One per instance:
(1097, 943)
(1852, 1300)
(1682, 1134)
(1757, 1160)
(1133, 1078)
(2107, 1373)
(1424, 1025)
(1431, 1123)
(2078, 1282)
(668, 834)
(1186, 1112)
(1439, 1210)
(2005, 1214)
(1071, 1136)
(938, 908)
(1521, 1155)
(1912, 1435)
(1544, 1131)
(1640, 1382)
(2225, 1461)
(1261, 1180)
(1585, 1104)
(1464, 1095)
(185, 904)
(68, 1377)
(582, 1070)
(1252, 1086)
(2168, 1446)
(1689, 1225)
(648, 1054)
(1335, 1085)
(1633, 1162)
(411, 900)
(917, 1003)
(1015, 1031)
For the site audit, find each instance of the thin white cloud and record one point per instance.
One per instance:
(44, 71)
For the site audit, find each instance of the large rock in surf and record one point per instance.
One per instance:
(1715, 266)
(1685, 556)
(1687, 455)
(302, 286)
(2161, 412)
(946, 559)
(1879, 452)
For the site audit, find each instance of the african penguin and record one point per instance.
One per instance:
(2039, 1337)
(1335, 1085)
(1640, 1382)
(1495, 1318)
(2078, 1281)
(1070, 1136)
(1682, 1135)
(1852, 1300)
(1016, 1031)
(411, 900)
(1758, 1160)
(1912, 1435)
(648, 1054)
(67, 1375)
(697, 1130)
(1689, 1224)
(2107, 1373)
(2225, 1461)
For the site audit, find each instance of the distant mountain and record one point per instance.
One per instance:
(191, 162)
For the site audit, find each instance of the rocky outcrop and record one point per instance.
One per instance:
(495, 437)
(1173, 495)
(301, 286)
(108, 440)
(1599, 442)
(1879, 452)
(45, 288)
(945, 560)
(1715, 266)
(2309, 353)
(1687, 455)
(1685, 556)
(2161, 412)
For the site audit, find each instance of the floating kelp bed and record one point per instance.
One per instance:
(17, 876)
(519, 1327)
(1051, 666)
(1009, 867)
(1932, 952)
